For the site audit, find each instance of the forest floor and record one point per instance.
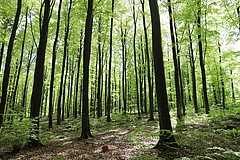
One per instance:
(213, 136)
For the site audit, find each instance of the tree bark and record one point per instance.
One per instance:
(232, 87)
(192, 63)
(166, 137)
(99, 95)
(221, 76)
(123, 39)
(135, 58)
(109, 69)
(20, 63)
(8, 61)
(61, 105)
(86, 57)
(39, 74)
(50, 114)
(24, 98)
(150, 87)
(200, 47)
(176, 65)
(1, 54)
(77, 80)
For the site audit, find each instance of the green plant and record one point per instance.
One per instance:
(232, 132)
(17, 134)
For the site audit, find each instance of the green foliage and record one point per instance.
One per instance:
(229, 132)
(17, 134)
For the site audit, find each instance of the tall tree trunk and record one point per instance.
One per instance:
(70, 87)
(141, 78)
(64, 89)
(20, 63)
(166, 137)
(63, 65)
(175, 61)
(135, 58)
(24, 98)
(143, 81)
(95, 87)
(182, 102)
(123, 39)
(86, 57)
(1, 54)
(8, 61)
(221, 76)
(99, 96)
(150, 86)
(188, 82)
(78, 72)
(192, 63)
(204, 83)
(110, 68)
(39, 74)
(50, 112)
(232, 87)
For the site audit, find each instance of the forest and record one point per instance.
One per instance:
(120, 79)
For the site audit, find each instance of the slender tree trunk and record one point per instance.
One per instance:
(99, 96)
(141, 80)
(166, 137)
(182, 102)
(70, 87)
(78, 72)
(115, 89)
(95, 87)
(20, 63)
(39, 74)
(64, 89)
(204, 83)
(135, 58)
(50, 112)
(163, 111)
(170, 90)
(221, 76)
(8, 61)
(43, 93)
(150, 86)
(109, 69)
(1, 54)
(11, 86)
(176, 65)
(188, 82)
(106, 91)
(86, 57)
(24, 98)
(123, 38)
(63, 66)
(232, 87)
(81, 98)
(192, 63)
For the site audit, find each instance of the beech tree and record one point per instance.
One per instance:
(8, 61)
(166, 136)
(39, 74)
(113, 51)
(109, 95)
(53, 66)
(86, 56)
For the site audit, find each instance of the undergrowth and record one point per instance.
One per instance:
(199, 136)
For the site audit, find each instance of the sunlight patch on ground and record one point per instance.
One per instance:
(108, 136)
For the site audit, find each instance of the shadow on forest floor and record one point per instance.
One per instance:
(199, 137)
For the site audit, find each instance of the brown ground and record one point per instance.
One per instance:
(133, 139)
